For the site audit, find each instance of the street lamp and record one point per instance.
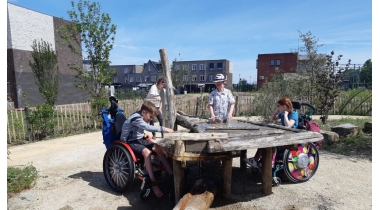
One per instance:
(239, 84)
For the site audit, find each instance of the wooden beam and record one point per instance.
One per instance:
(262, 142)
(169, 87)
(195, 136)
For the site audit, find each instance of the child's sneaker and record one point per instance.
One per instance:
(251, 161)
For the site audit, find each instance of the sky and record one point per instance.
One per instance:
(234, 30)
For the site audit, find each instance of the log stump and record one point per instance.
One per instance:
(346, 130)
(200, 196)
(367, 127)
(330, 137)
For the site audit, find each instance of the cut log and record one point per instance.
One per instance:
(200, 196)
(190, 123)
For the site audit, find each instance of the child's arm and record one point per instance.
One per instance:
(143, 125)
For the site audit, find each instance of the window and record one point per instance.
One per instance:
(272, 62)
(146, 79)
(219, 65)
(184, 77)
(201, 67)
(126, 71)
(149, 68)
(202, 78)
(153, 78)
(131, 79)
(184, 66)
(211, 66)
(177, 67)
(278, 62)
(194, 67)
(138, 79)
(210, 77)
(126, 79)
(115, 79)
(194, 78)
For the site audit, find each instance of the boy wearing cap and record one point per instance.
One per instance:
(221, 101)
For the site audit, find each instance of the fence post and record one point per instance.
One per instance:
(236, 104)
(28, 125)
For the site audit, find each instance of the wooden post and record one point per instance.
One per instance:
(28, 126)
(236, 104)
(63, 124)
(267, 171)
(169, 87)
(227, 176)
(9, 131)
(81, 115)
(178, 172)
(196, 107)
(163, 108)
(13, 126)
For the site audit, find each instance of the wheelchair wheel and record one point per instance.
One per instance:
(118, 168)
(301, 164)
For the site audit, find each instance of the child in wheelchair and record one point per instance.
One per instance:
(133, 133)
(289, 118)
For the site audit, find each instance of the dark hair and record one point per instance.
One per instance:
(149, 107)
(160, 79)
(287, 102)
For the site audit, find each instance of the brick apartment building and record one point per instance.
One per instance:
(23, 27)
(202, 73)
(268, 63)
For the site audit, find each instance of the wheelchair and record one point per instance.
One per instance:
(121, 166)
(296, 163)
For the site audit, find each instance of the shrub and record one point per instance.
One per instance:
(20, 178)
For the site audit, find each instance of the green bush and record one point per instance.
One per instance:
(20, 178)
(42, 120)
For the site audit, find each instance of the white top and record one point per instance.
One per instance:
(154, 95)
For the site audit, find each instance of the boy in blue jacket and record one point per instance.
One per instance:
(133, 134)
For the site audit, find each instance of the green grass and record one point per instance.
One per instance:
(21, 178)
(359, 146)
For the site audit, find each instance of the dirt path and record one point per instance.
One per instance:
(71, 177)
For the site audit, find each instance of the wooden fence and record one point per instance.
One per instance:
(76, 118)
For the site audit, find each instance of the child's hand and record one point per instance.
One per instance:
(168, 130)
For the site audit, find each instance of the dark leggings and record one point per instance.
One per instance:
(159, 118)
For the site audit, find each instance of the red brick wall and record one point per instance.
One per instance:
(288, 64)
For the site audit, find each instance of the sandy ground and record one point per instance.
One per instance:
(71, 177)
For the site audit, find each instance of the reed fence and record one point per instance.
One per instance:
(76, 118)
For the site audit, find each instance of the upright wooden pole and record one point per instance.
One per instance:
(169, 87)
(28, 125)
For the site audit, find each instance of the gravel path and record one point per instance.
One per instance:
(71, 177)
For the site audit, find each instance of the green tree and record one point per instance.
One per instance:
(366, 73)
(45, 70)
(311, 63)
(95, 30)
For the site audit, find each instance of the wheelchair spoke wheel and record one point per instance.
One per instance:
(118, 168)
(300, 164)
